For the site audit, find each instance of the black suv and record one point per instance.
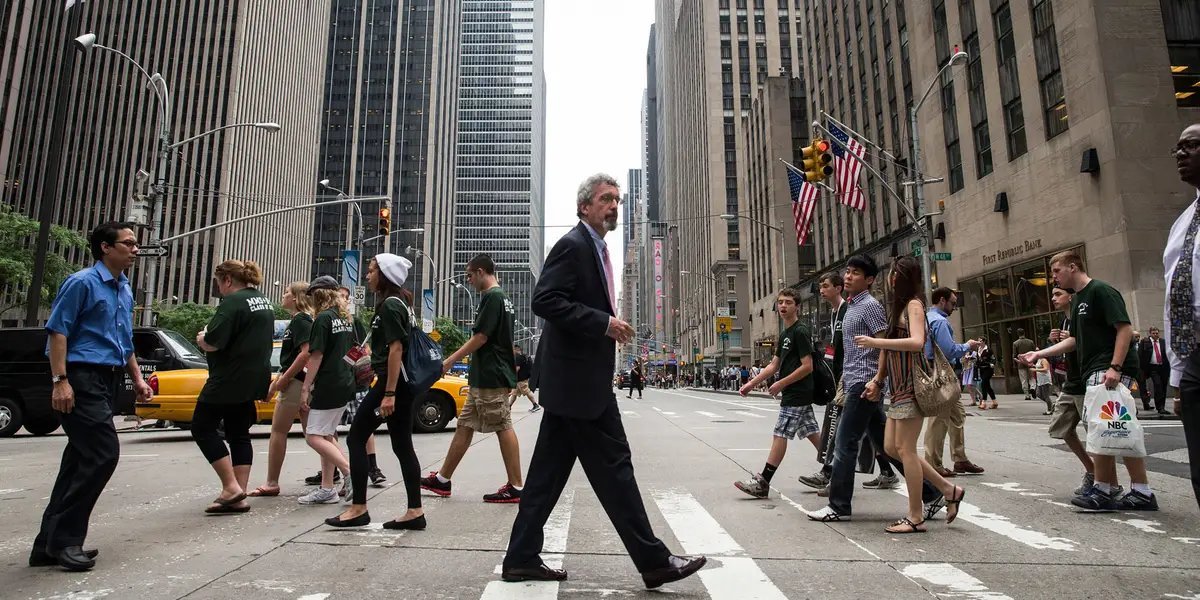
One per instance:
(25, 374)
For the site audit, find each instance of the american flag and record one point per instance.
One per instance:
(846, 169)
(804, 200)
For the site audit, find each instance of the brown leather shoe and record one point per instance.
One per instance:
(678, 567)
(539, 573)
(944, 472)
(966, 466)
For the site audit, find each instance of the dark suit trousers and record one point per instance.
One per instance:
(602, 449)
(1189, 393)
(88, 461)
(1160, 376)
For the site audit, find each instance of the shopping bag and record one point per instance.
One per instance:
(1112, 425)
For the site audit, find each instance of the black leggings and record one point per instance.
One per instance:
(237, 418)
(400, 426)
(985, 384)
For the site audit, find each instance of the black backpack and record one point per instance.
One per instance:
(422, 366)
(824, 382)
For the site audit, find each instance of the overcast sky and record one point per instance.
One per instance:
(595, 75)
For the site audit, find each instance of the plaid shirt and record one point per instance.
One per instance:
(864, 316)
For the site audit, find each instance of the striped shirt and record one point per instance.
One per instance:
(864, 316)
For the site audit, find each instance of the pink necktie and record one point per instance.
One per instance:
(1157, 355)
(608, 276)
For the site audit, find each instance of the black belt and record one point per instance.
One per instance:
(96, 367)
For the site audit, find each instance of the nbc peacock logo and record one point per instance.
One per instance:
(1114, 411)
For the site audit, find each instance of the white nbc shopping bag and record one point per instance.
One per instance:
(1112, 425)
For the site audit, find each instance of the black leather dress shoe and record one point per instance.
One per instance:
(538, 573)
(41, 558)
(73, 558)
(678, 567)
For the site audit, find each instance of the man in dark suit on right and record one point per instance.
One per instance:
(1156, 370)
(576, 297)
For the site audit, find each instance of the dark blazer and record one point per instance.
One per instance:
(1146, 351)
(576, 360)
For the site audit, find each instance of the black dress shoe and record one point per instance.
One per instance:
(41, 558)
(73, 558)
(678, 567)
(538, 573)
(359, 521)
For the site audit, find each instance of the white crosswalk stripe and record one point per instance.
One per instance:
(957, 582)
(554, 546)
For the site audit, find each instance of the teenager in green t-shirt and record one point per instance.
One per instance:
(328, 386)
(388, 399)
(1068, 410)
(793, 363)
(238, 342)
(360, 337)
(492, 377)
(1100, 337)
(293, 355)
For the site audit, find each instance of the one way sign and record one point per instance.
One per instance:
(153, 251)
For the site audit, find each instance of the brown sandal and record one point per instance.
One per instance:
(263, 491)
(905, 525)
(952, 504)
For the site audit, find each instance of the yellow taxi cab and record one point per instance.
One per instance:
(175, 394)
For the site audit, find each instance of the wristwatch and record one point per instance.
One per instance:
(57, 378)
(1116, 368)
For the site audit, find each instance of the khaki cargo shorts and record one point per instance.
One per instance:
(1068, 412)
(487, 410)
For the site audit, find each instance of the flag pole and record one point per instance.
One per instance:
(870, 169)
(891, 157)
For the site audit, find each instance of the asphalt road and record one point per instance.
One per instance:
(1016, 537)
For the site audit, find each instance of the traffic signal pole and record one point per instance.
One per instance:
(268, 213)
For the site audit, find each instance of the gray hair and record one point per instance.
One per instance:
(587, 190)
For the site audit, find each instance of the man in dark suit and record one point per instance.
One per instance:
(576, 297)
(1156, 370)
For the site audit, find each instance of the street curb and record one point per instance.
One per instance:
(729, 392)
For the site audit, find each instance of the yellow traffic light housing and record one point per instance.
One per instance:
(385, 220)
(817, 161)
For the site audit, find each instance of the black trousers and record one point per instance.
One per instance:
(985, 384)
(603, 450)
(1160, 377)
(237, 419)
(400, 426)
(1189, 393)
(88, 461)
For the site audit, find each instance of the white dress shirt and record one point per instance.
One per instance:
(1171, 256)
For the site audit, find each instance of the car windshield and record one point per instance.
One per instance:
(183, 348)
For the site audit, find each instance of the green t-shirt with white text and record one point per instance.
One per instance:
(332, 336)
(239, 370)
(1096, 311)
(492, 365)
(392, 323)
(795, 342)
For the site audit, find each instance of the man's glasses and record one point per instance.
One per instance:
(610, 199)
(1185, 146)
(131, 244)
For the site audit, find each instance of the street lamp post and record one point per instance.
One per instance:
(782, 255)
(919, 179)
(87, 42)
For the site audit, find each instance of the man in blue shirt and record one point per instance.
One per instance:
(944, 304)
(90, 346)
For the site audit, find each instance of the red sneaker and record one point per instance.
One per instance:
(433, 484)
(507, 494)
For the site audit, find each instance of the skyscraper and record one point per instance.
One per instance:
(239, 62)
(499, 201)
(390, 95)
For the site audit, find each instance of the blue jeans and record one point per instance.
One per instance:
(860, 416)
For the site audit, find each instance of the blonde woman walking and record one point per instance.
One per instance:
(293, 355)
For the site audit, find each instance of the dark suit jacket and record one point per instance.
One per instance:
(576, 360)
(1146, 351)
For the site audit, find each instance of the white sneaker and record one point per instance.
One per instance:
(826, 515)
(319, 496)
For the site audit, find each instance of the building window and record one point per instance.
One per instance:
(941, 42)
(1010, 86)
(1045, 52)
(1181, 23)
(976, 99)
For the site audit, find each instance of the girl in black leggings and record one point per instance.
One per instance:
(388, 400)
(986, 370)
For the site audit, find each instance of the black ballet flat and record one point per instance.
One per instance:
(416, 524)
(359, 521)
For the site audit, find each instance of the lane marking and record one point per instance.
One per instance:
(1000, 524)
(959, 583)
(630, 413)
(739, 404)
(1179, 455)
(746, 413)
(1142, 524)
(11, 491)
(737, 576)
(553, 548)
(707, 414)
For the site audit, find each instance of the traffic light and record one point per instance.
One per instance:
(816, 161)
(385, 220)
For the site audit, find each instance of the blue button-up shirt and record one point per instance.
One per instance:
(941, 332)
(94, 310)
(864, 316)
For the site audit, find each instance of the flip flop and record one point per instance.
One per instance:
(262, 491)
(952, 504)
(907, 523)
(230, 501)
(223, 509)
